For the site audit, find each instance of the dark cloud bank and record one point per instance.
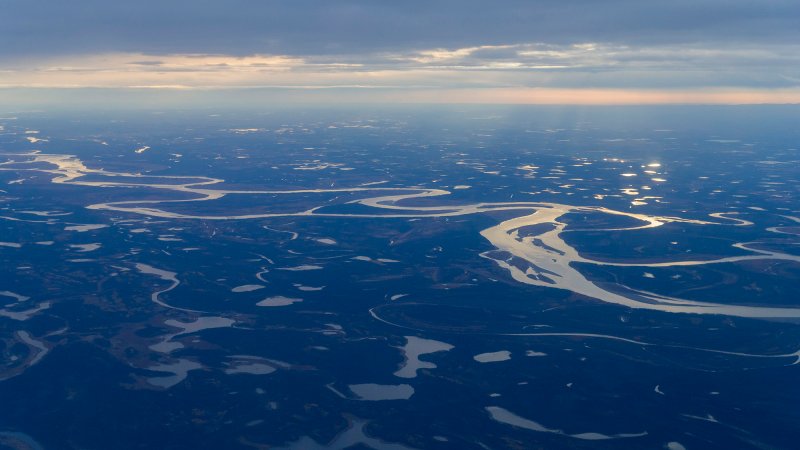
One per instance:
(314, 27)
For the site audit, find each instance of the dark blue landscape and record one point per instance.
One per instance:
(442, 277)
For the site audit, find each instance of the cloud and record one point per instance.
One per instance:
(315, 27)
(586, 65)
(505, 46)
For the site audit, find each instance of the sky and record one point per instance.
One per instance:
(439, 51)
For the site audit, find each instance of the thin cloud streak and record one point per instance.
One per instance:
(605, 96)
